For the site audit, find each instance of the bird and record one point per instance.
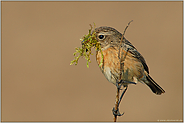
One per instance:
(134, 65)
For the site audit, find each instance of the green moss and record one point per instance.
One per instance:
(88, 41)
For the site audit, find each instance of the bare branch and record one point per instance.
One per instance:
(121, 61)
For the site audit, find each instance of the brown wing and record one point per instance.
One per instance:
(137, 55)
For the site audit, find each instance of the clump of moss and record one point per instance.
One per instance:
(88, 41)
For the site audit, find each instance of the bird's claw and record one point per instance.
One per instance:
(116, 112)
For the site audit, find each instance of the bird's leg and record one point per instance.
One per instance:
(116, 112)
(119, 84)
(123, 82)
(125, 88)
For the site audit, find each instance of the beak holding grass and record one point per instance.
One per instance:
(88, 41)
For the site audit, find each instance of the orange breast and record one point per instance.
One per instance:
(132, 68)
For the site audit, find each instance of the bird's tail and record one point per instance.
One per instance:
(154, 86)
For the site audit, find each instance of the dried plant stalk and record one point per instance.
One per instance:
(120, 72)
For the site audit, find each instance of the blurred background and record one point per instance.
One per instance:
(38, 42)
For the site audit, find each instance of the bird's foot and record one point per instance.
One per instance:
(116, 112)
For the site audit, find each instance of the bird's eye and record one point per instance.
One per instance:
(101, 36)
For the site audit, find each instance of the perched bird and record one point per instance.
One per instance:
(134, 66)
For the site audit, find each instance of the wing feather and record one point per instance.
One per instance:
(136, 54)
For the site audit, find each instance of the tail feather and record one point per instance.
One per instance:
(154, 86)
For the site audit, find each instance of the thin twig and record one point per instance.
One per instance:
(120, 73)
(122, 66)
(116, 104)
